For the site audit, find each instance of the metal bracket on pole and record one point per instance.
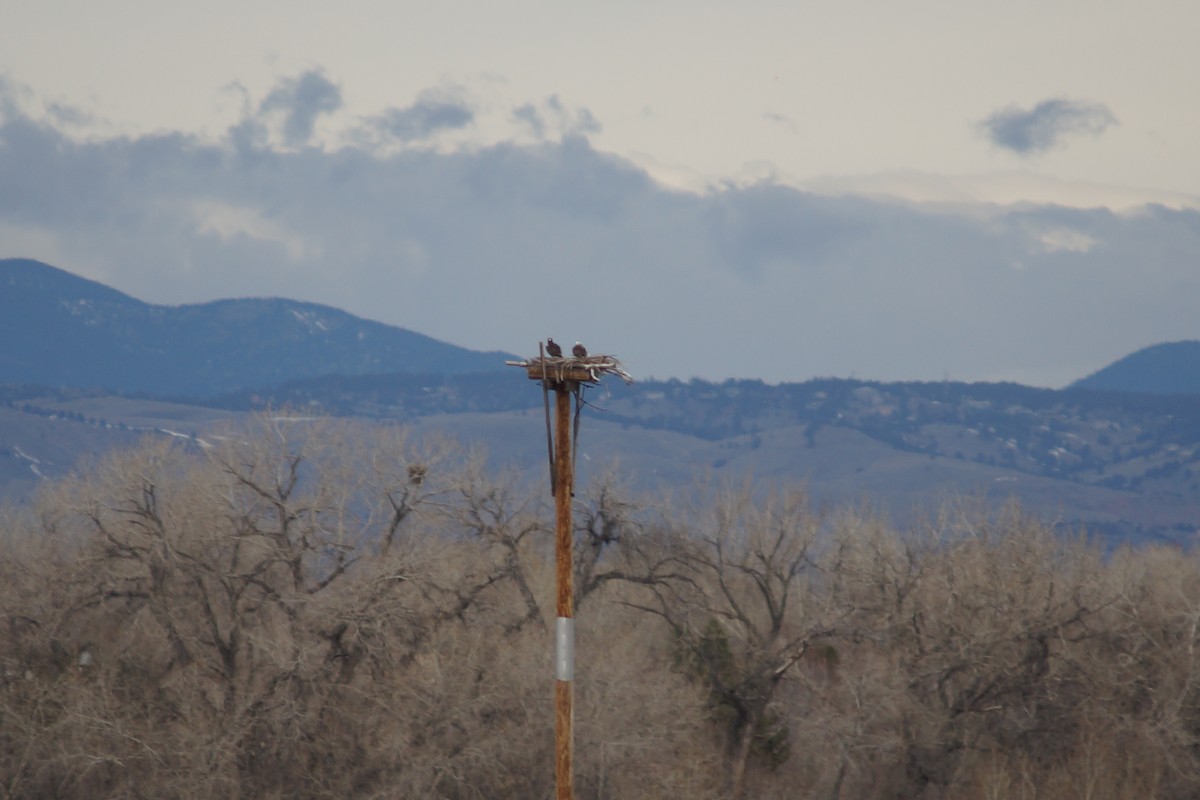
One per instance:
(564, 649)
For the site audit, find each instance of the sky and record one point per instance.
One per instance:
(921, 190)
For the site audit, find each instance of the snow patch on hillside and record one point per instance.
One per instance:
(33, 462)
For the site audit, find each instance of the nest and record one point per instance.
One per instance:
(589, 369)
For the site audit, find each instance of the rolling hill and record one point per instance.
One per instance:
(57, 329)
(1168, 368)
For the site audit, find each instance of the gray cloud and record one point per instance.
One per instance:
(1027, 131)
(551, 116)
(423, 119)
(302, 100)
(529, 116)
(463, 245)
(765, 225)
(780, 120)
(8, 99)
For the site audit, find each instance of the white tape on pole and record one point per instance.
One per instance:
(564, 649)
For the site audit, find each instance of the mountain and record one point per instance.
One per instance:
(1123, 464)
(1170, 368)
(58, 329)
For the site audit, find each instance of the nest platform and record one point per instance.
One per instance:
(569, 369)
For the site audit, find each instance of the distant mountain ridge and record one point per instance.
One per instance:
(1123, 461)
(60, 329)
(1168, 368)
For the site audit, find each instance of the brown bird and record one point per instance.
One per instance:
(579, 351)
(416, 474)
(552, 348)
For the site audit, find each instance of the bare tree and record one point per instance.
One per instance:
(741, 610)
(243, 588)
(319, 609)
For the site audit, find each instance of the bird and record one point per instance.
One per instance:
(579, 351)
(552, 348)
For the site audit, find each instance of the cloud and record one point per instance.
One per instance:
(69, 116)
(301, 101)
(764, 226)
(1035, 130)
(10, 91)
(429, 115)
(495, 246)
(529, 116)
(551, 116)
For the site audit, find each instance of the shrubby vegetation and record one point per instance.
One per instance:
(309, 610)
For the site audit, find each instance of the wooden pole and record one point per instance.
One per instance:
(564, 649)
(566, 376)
